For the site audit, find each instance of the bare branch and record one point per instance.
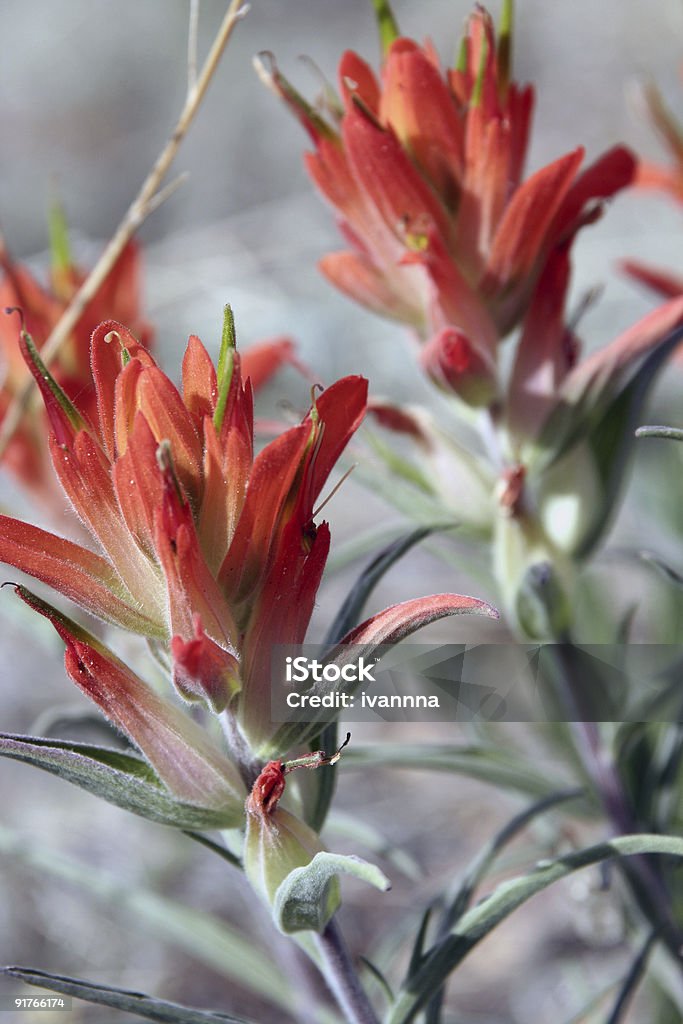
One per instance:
(146, 200)
(192, 33)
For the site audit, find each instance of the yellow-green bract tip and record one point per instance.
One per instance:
(505, 45)
(386, 23)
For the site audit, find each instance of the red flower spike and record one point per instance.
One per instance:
(118, 295)
(427, 182)
(218, 548)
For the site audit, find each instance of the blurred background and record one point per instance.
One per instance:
(90, 90)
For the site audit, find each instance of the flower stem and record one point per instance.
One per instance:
(643, 878)
(341, 977)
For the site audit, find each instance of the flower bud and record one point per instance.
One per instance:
(276, 841)
(453, 363)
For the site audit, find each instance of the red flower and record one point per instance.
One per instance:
(425, 170)
(118, 297)
(211, 552)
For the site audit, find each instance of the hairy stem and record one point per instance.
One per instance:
(341, 977)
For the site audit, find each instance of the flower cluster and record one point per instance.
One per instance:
(209, 550)
(42, 308)
(425, 170)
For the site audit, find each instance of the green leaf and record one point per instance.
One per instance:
(122, 779)
(478, 922)
(352, 607)
(226, 361)
(214, 942)
(671, 433)
(480, 865)
(502, 768)
(378, 976)
(309, 896)
(386, 23)
(119, 998)
(477, 871)
(631, 981)
(417, 953)
(350, 826)
(596, 396)
(662, 567)
(611, 441)
(60, 248)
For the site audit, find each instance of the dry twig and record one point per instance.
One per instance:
(149, 197)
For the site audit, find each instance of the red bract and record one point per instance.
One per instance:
(659, 176)
(204, 546)
(210, 551)
(425, 169)
(119, 297)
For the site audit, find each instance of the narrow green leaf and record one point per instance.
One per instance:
(349, 826)
(209, 844)
(349, 614)
(599, 395)
(611, 440)
(122, 779)
(378, 976)
(309, 896)
(386, 23)
(226, 362)
(631, 981)
(419, 944)
(477, 871)
(478, 922)
(60, 249)
(495, 765)
(119, 998)
(485, 858)
(671, 433)
(504, 49)
(208, 939)
(662, 567)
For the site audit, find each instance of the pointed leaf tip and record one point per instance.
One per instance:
(308, 896)
(386, 24)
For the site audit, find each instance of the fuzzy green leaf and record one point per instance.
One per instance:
(478, 922)
(503, 768)
(119, 999)
(670, 433)
(223, 947)
(309, 896)
(122, 779)
(386, 23)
